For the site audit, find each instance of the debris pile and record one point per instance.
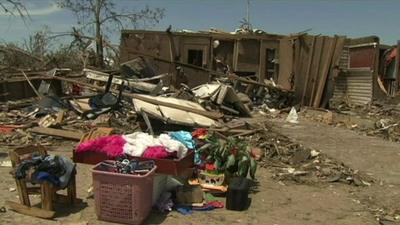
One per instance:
(378, 119)
(219, 106)
(292, 161)
(209, 135)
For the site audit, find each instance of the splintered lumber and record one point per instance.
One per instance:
(309, 63)
(74, 135)
(247, 81)
(324, 72)
(212, 115)
(135, 83)
(30, 84)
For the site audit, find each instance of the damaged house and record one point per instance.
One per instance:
(319, 68)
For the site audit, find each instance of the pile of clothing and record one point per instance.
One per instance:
(57, 170)
(139, 144)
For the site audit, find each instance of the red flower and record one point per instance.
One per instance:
(210, 167)
(199, 133)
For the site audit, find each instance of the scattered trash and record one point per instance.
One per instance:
(292, 117)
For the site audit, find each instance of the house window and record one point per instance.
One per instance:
(270, 66)
(195, 57)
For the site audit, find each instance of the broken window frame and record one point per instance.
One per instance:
(196, 47)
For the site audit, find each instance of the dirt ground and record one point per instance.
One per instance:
(280, 203)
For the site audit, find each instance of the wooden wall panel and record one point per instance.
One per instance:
(285, 63)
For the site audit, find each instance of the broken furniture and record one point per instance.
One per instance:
(47, 191)
(68, 134)
(100, 103)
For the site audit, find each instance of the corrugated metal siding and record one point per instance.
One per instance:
(354, 86)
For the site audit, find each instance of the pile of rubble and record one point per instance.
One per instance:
(291, 161)
(129, 99)
(378, 119)
(142, 103)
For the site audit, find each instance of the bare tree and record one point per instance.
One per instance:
(99, 17)
(14, 8)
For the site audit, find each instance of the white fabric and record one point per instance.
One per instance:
(173, 145)
(138, 142)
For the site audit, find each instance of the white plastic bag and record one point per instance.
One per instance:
(292, 117)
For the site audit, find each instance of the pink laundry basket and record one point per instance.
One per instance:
(122, 198)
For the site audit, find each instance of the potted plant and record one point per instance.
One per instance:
(231, 157)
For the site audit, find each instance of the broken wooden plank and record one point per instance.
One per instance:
(286, 63)
(73, 135)
(212, 115)
(31, 211)
(333, 72)
(31, 85)
(315, 68)
(158, 77)
(147, 121)
(228, 109)
(134, 83)
(247, 81)
(307, 74)
(60, 117)
(300, 70)
(324, 72)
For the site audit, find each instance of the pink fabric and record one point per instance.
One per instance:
(111, 145)
(157, 152)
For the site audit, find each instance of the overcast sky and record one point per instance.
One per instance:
(353, 18)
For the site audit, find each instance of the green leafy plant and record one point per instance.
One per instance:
(231, 156)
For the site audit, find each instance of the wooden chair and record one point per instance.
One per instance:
(47, 191)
